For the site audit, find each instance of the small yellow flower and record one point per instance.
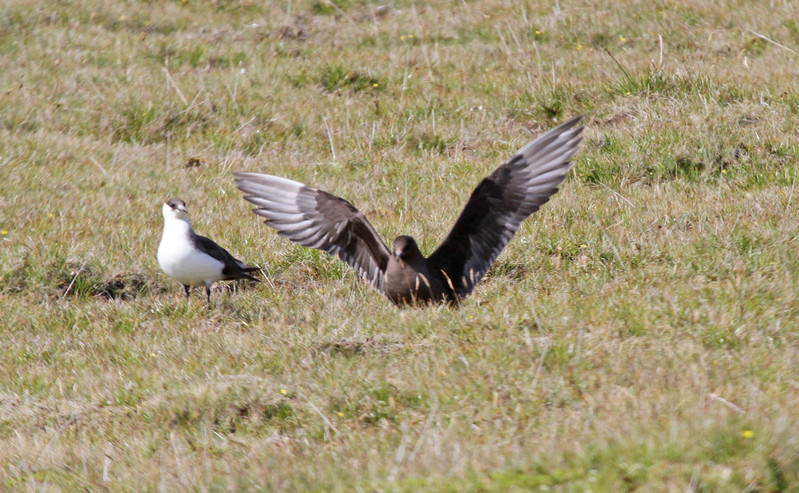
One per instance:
(579, 47)
(538, 32)
(628, 93)
(724, 171)
(50, 215)
(622, 39)
(443, 374)
(283, 391)
(410, 35)
(375, 84)
(402, 37)
(152, 355)
(583, 246)
(340, 414)
(778, 299)
(4, 232)
(747, 433)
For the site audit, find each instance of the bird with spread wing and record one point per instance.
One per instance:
(317, 219)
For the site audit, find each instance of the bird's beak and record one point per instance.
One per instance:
(398, 257)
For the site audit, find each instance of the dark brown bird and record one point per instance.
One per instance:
(493, 214)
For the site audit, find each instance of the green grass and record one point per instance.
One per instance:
(638, 334)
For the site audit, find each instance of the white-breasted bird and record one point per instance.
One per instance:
(191, 259)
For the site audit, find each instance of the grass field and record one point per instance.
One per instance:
(640, 333)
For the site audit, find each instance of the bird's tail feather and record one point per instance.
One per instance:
(243, 272)
(246, 276)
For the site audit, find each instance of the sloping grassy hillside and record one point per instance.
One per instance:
(641, 332)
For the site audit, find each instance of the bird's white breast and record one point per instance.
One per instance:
(181, 261)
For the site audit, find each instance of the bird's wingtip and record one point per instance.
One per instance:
(572, 122)
(243, 175)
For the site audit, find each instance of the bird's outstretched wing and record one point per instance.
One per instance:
(501, 202)
(317, 219)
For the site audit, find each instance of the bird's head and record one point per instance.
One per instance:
(175, 208)
(405, 248)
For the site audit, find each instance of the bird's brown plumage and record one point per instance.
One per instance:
(493, 214)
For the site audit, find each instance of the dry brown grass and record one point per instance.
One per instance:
(640, 333)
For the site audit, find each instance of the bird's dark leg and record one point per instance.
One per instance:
(208, 293)
(187, 288)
